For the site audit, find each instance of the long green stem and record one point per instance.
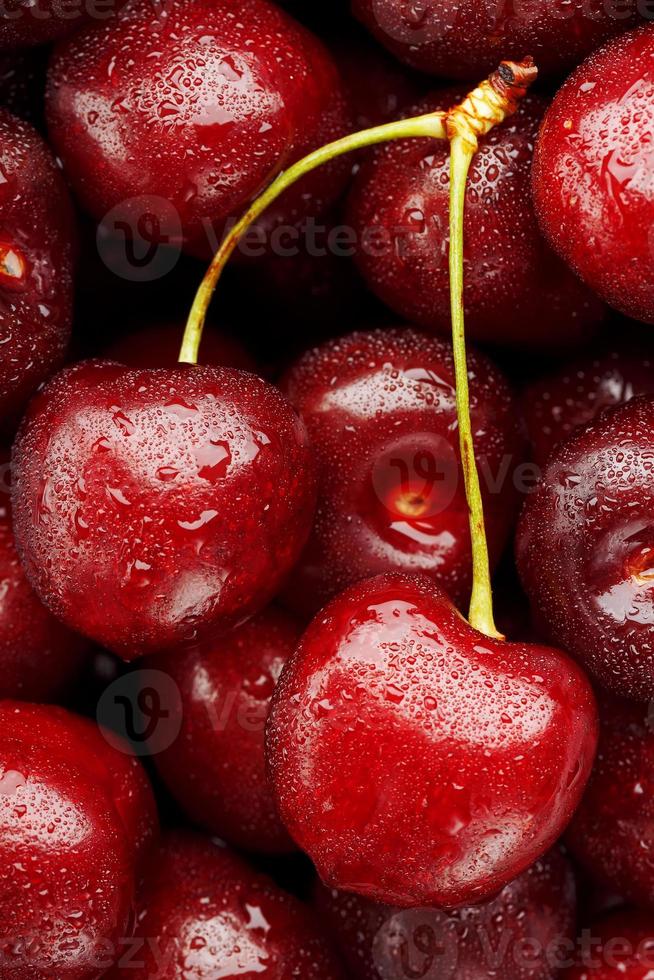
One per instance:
(431, 126)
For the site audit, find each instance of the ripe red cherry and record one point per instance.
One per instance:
(585, 548)
(556, 405)
(381, 415)
(204, 913)
(158, 345)
(36, 254)
(516, 290)
(215, 768)
(39, 657)
(197, 107)
(77, 818)
(517, 935)
(157, 507)
(417, 761)
(592, 194)
(618, 805)
(621, 948)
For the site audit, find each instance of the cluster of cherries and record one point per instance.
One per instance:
(270, 549)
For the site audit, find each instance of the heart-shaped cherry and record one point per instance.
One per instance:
(519, 934)
(77, 818)
(185, 114)
(418, 761)
(620, 947)
(590, 176)
(618, 804)
(36, 259)
(215, 768)
(203, 914)
(380, 410)
(516, 290)
(465, 38)
(158, 507)
(585, 547)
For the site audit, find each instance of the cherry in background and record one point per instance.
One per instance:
(200, 107)
(158, 507)
(215, 768)
(157, 345)
(622, 949)
(418, 761)
(381, 415)
(585, 547)
(467, 38)
(36, 263)
(618, 805)
(518, 935)
(516, 290)
(592, 190)
(210, 915)
(25, 24)
(77, 818)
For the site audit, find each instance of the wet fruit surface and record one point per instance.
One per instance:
(592, 192)
(181, 496)
(585, 549)
(417, 761)
(380, 411)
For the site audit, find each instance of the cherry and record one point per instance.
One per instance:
(516, 290)
(39, 658)
(27, 24)
(556, 405)
(184, 115)
(466, 38)
(381, 415)
(584, 547)
(77, 818)
(517, 935)
(157, 507)
(618, 805)
(418, 761)
(157, 345)
(215, 768)
(36, 256)
(203, 913)
(591, 193)
(621, 948)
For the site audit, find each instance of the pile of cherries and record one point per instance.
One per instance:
(247, 726)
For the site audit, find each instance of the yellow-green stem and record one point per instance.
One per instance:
(430, 126)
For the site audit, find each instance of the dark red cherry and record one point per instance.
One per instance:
(591, 186)
(585, 547)
(36, 257)
(158, 507)
(204, 914)
(215, 768)
(619, 947)
(77, 818)
(519, 934)
(618, 805)
(39, 657)
(27, 24)
(516, 290)
(158, 345)
(467, 38)
(381, 415)
(417, 761)
(556, 405)
(194, 107)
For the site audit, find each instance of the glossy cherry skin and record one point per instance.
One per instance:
(417, 761)
(158, 345)
(77, 818)
(590, 190)
(199, 106)
(215, 768)
(36, 264)
(158, 507)
(39, 657)
(203, 913)
(622, 948)
(556, 405)
(618, 804)
(514, 936)
(585, 549)
(516, 290)
(468, 38)
(380, 410)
